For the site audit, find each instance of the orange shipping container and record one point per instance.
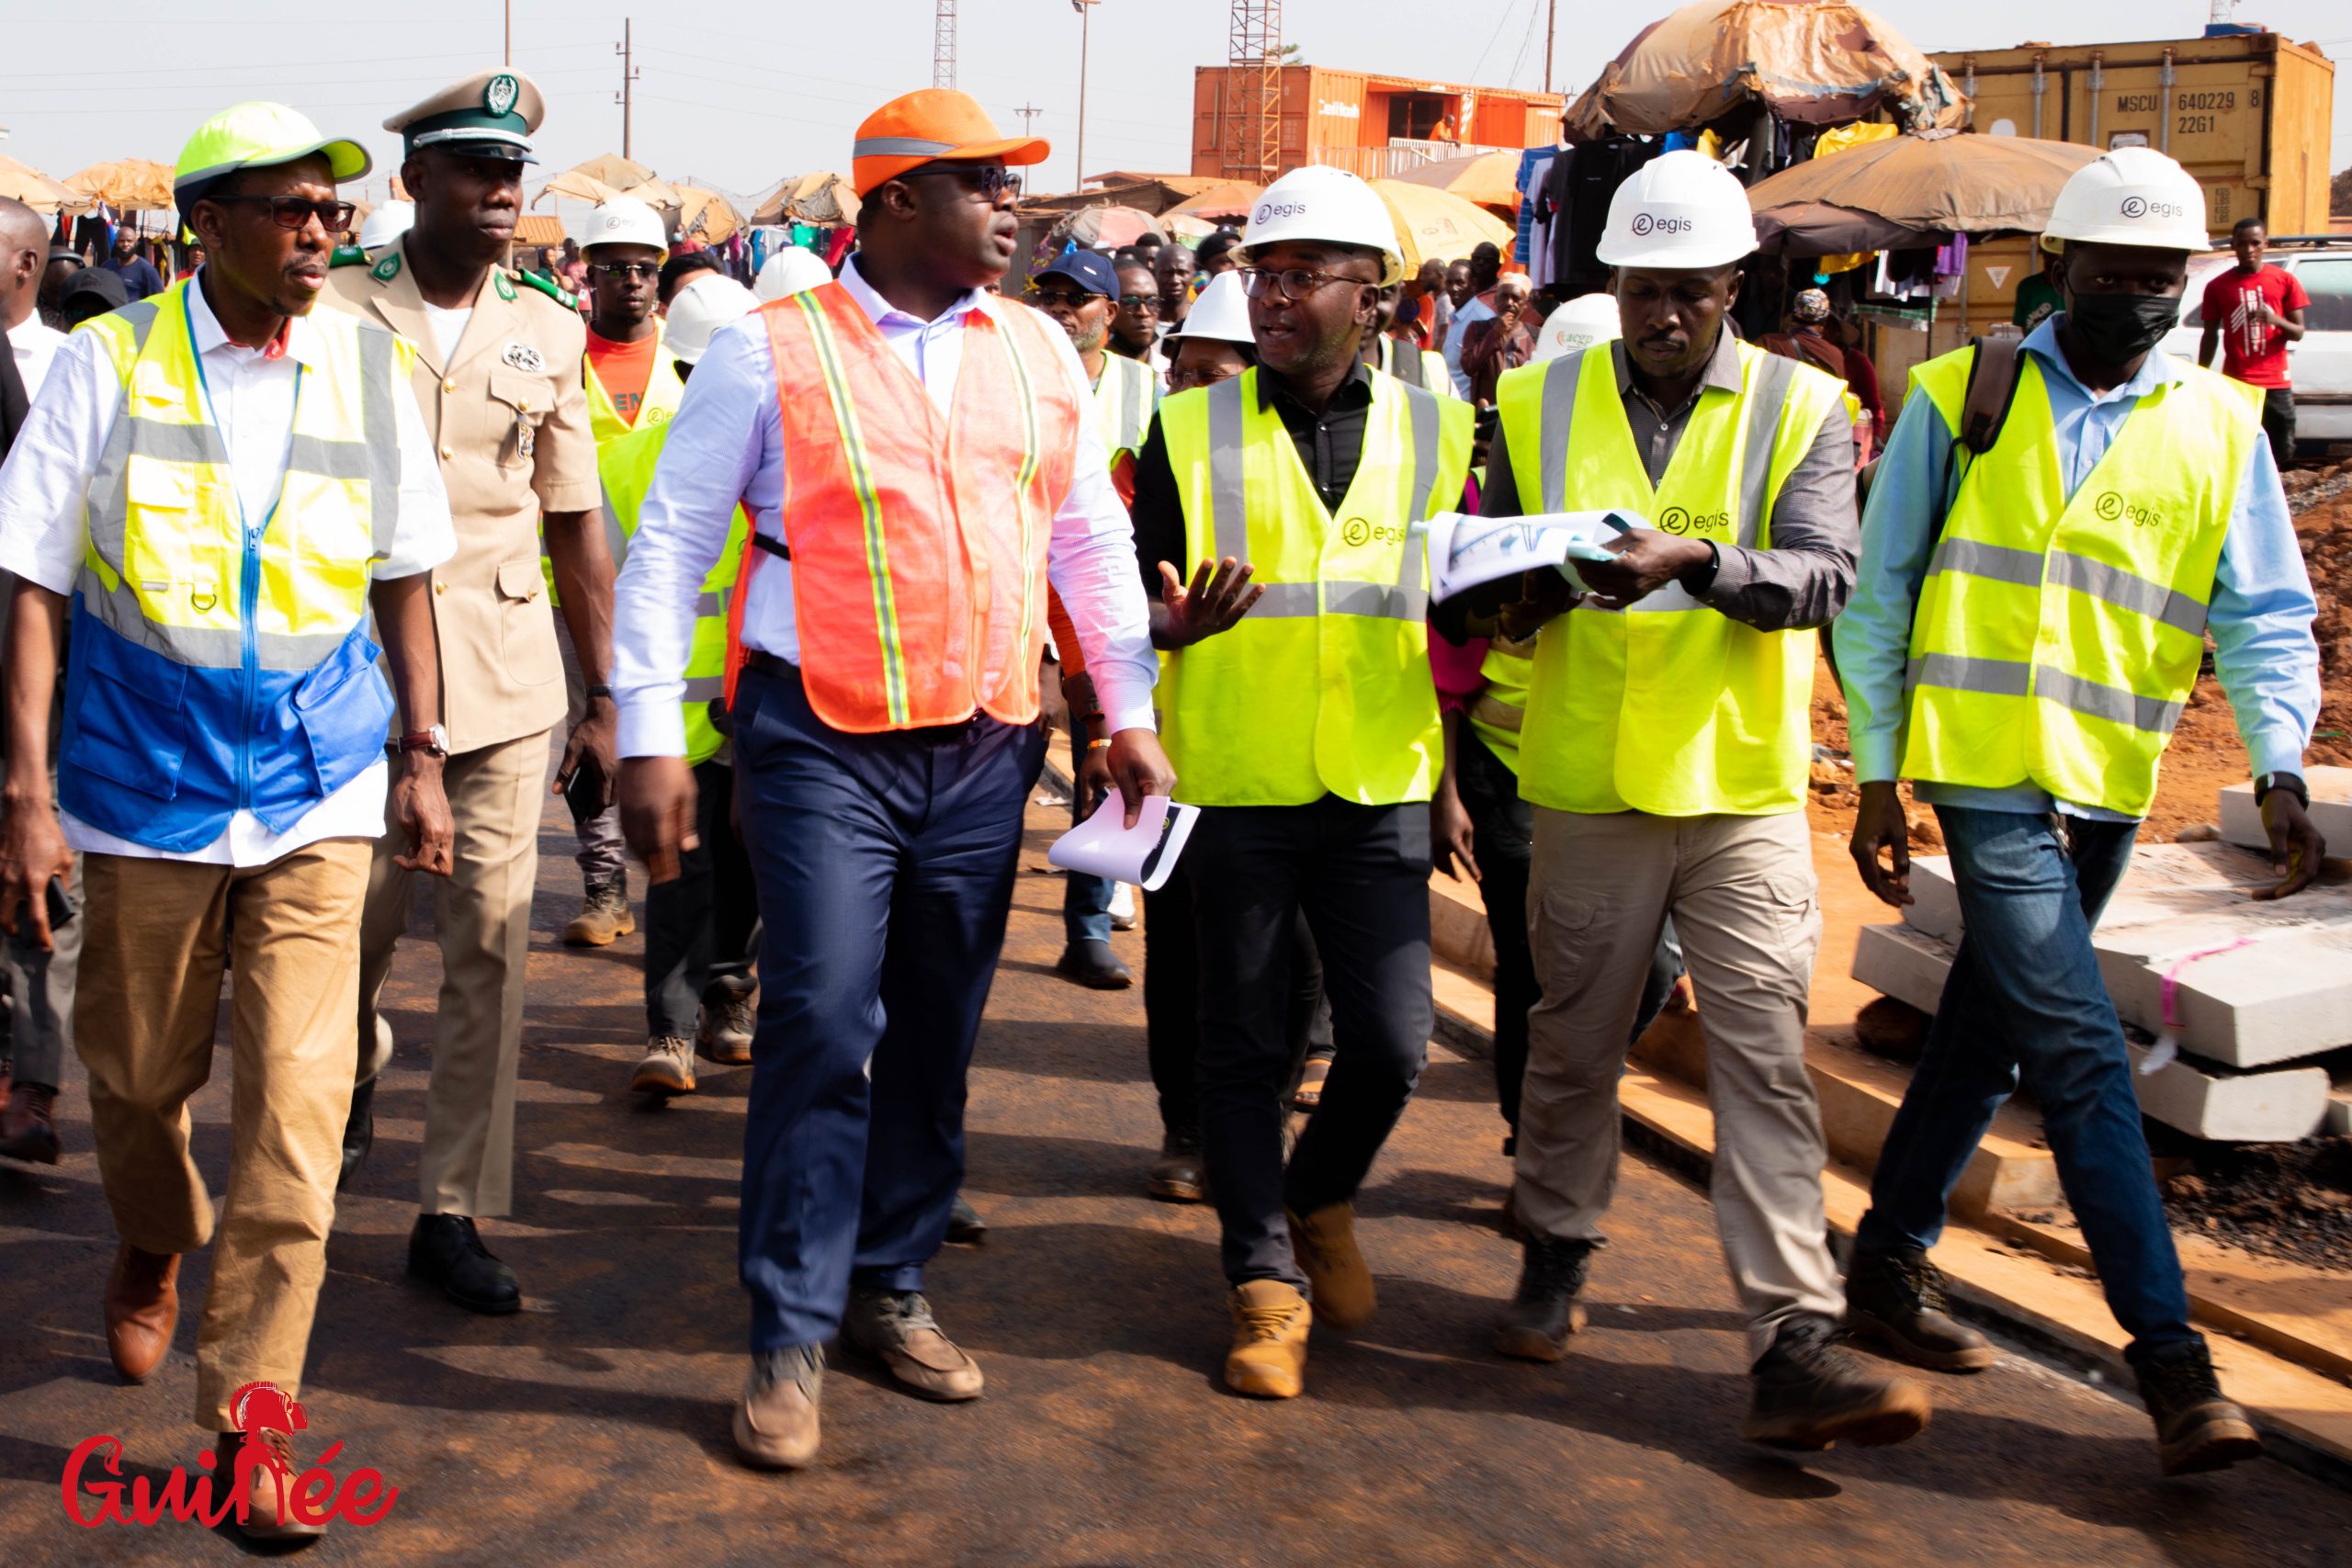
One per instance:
(1371, 124)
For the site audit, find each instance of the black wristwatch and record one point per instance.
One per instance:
(2292, 783)
(599, 690)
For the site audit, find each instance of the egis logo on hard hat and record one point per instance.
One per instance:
(2141, 207)
(1270, 210)
(1645, 224)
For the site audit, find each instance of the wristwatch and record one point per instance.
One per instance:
(434, 741)
(2292, 783)
(598, 690)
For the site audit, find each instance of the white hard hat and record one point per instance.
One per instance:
(1584, 320)
(1221, 312)
(1679, 209)
(625, 220)
(1322, 203)
(789, 271)
(700, 309)
(2132, 196)
(387, 223)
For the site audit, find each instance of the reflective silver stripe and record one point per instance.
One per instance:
(140, 315)
(2111, 702)
(712, 605)
(1229, 517)
(706, 688)
(1396, 604)
(329, 459)
(108, 509)
(1994, 676)
(1767, 394)
(1131, 412)
(1558, 410)
(1999, 562)
(898, 147)
(1421, 413)
(2128, 591)
(209, 647)
(173, 443)
(379, 436)
(1287, 600)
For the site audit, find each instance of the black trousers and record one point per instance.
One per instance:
(2279, 422)
(1360, 875)
(1172, 1001)
(703, 927)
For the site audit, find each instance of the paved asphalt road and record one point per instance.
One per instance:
(594, 1428)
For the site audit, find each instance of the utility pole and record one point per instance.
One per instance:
(1027, 113)
(1551, 24)
(510, 32)
(943, 44)
(628, 79)
(1085, 30)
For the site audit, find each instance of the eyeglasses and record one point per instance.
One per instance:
(1060, 298)
(990, 180)
(293, 213)
(623, 270)
(1294, 283)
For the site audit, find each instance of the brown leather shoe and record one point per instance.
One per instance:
(29, 1124)
(268, 1510)
(776, 1424)
(142, 1309)
(895, 1327)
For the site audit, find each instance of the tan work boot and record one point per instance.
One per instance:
(730, 1019)
(269, 1497)
(1325, 1244)
(1269, 1355)
(668, 1068)
(603, 916)
(776, 1424)
(142, 1309)
(896, 1329)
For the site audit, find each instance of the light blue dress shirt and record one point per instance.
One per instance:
(2260, 617)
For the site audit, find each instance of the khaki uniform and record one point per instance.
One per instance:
(510, 420)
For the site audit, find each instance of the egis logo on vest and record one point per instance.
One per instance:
(1357, 531)
(1682, 519)
(2112, 508)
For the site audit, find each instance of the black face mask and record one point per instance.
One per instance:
(2115, 329)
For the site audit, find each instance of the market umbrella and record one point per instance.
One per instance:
(603, 178)
(1490, 179)
(1437, 223)
(578, 186)
(823, 200)
(1103, 229)
(23, 183)
(1824, 229)
(1816, 62)
(1943, 181)
(127, 184)
(707, 215)
(1228, 198)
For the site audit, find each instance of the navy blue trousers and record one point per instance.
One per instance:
(884, 865)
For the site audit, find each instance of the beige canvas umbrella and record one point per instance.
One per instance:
(130, 185)
(1438, 224)
(823, 200)
(1488, 178)
(706, 215)
(1228, 198)
(1817, 61)
(21, 182)
(600, 179)
(1942, 181)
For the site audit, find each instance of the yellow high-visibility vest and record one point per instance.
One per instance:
(1424, 368)
(625, 464)
(663, 390)
(1324, 687)
(2056, 639)
(1499, 713)
(1124, 397)
(1667, 707)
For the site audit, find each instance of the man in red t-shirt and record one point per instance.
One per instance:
(2255, 311)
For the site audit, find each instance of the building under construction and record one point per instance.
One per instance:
(1255, 123)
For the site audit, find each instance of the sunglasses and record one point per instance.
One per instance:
(990, 180)
(624, 269)
(293, 213)
(1293, 284)
(1062, 298)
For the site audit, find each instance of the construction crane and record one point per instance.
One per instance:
(1253, 76)
(943, 44)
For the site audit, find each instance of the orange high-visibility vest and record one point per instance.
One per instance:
(917, 540)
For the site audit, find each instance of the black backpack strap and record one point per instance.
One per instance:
(1983, 407)
(773, 545)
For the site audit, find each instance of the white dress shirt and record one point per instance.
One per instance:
(34, 343)
(725, 445)
(44, 530)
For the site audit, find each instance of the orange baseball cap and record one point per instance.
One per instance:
(932, 124)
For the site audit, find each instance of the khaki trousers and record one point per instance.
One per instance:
(482, 915)
(1741, 890)
(154, 936)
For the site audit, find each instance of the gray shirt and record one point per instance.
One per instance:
(1804, 579)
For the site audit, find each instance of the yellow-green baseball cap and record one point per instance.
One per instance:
(255, 136)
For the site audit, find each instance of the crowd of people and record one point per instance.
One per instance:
(799, 578)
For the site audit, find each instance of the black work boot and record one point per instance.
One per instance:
(1810, 1392)
(1897, 1302)
(445, 1252)
(2197, 1428)
(1544, 1310)
(358, 1132)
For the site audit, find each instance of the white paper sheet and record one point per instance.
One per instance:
(1144, 854)
(1466, 552)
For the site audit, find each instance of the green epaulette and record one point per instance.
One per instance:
(347, 255)
(551, 288)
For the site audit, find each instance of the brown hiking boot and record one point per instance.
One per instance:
(267, 1500)
(603, 916)
(1269, 1355)
(668, 1068)
(29, 1124)
(1325, 1244)
(142, 1309)
(1895, 1300)
(730, 1019)
(1810, 1392)
(2197, 1428)
(896, 1329)
(776, 1425)
(1545, 1311)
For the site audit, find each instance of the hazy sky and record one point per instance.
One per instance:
(736, 95)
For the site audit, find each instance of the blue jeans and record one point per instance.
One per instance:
(2025, 998)
(1086, 900)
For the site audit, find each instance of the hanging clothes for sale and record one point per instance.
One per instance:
(1594, 171)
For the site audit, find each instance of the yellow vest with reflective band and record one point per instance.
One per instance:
(2056, 639)
(1324, 687)
(1667, 707)
(626, 465)
(1421, 368)
(663, 390)
(1125, 398)
(1499, 712)
(221, 662)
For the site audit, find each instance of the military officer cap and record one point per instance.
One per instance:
(488, 115)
